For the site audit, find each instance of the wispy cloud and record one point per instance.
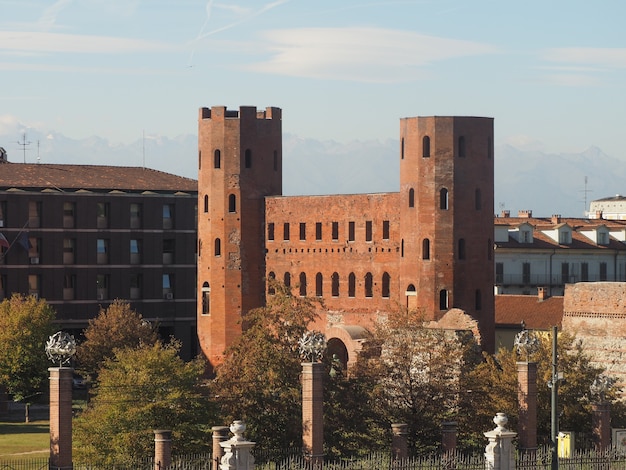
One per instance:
(593, 56)
(43, 42)
(361, 54)
(49, 16)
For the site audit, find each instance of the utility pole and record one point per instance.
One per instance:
(554, 385)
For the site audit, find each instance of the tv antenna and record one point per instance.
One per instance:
(585, 192)
(24, 144)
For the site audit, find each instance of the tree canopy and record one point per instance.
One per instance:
(25, 326)
(139, 390)
(117, 326)
(259, 380)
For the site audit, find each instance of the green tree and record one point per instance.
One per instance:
(25, 326)
(493, 386)
(259, 380)
(117, 326)
(418, 374)
(141, 389)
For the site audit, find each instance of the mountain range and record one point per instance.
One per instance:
(546, 183)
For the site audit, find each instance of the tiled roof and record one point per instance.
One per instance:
(91, 177)
(536, 314)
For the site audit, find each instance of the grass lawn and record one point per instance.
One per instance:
(24, 440)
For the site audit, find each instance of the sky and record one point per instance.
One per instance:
(551, 73)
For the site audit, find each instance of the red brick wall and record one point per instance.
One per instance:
(461, 161)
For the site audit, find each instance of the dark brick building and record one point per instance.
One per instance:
(81, 236)
(428, 247)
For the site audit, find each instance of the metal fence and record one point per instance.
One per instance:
(541, 459)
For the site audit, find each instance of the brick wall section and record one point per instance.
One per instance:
(162, 449)
(60, 417)
(596, 313)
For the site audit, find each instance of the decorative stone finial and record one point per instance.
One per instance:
(60, 348)
(312, 346)
(500, 420)
(526, 342)
(601, 385)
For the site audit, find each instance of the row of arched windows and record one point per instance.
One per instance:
(461, 147)
(303, 288)
(443, 199)
(247, 159)
(232, 203)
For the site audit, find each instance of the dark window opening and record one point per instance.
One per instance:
(411, 197)
(351, 285)
(368, 231)
(385, 230)
(386, 282)
(335, 230)
(318, 230)
(270, 231)
(350, 231)
(232, 203)
(218, 247)
(425, 248)
(217, 159)
(369, 284)
(286, 231)
(443, 299)
(335, 285)
(426, 147)
(443, 199)
(302, 284)
(302, 231)
(318, 284)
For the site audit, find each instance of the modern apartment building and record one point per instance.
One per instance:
(80, 236)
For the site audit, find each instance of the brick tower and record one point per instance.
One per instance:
(446, 217)
(240, 162)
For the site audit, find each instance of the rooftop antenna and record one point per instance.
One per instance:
(38, 157)
(23, 144)
(585, 192)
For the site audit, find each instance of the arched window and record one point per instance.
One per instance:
(386, 282)
(461, 248)
(411, 197)
(478, 300)
(351, 285)
(248, 158)
(443, 299)
(217, 159)
(232, 203)
(218, 247)
(369, 283)
(462, 147)
(335, 284)
(318, 284)
(443, 199)
(426, 147)
(206, 299)
(425, 248)
(478, 203)
(302, 284)
(199, 159)
(270, 285)
(402, 149)
(287, 279)
(206, 203)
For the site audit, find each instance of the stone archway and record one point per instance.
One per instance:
(346, 340)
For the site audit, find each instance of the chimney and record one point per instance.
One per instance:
(505, 213)
(556, 218)
(542, 294)
(525, 214)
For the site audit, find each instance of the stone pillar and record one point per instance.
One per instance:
(220, 434)
(527, 402)
(399, 446)
(313, 411)
(500, 453)
(601, 425)
(61, 418)
(237, 451)
(162, 449)
(448, 444)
